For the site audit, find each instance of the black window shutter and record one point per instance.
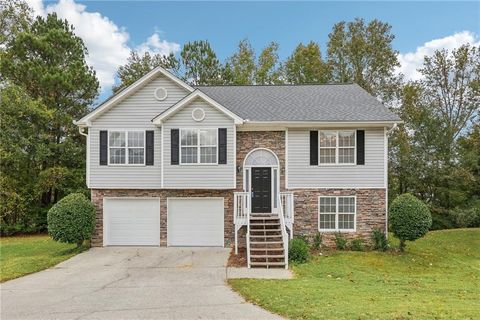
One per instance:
(149, 146)
(222, 146)
(361, 147)
(174, 143)
(313, 148)
(103, 147)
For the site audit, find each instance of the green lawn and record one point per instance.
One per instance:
(437, 278)
(27, 254)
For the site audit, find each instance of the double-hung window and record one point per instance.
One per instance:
(337, 147)
(336, 213)
(126, 147)
(198, 146)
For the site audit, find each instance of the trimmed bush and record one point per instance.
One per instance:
(340, 241)
(72, 219)
(380, 242)
(298, 250)
(357, 245)
(317, 241)
(410, 218)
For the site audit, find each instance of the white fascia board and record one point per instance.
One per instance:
(86, 120)
(282, 125)
(158, 120)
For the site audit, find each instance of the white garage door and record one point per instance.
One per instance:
(195, 222)
(131, 222)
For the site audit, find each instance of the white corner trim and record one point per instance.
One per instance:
(161, 157)
(87, 165)
(234, 157)
(158, 120)
(86, 120)
(286, 158)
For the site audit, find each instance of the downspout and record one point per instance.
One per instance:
(87, 162)
(387, 131)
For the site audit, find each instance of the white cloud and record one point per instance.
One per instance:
(155, 45)
(107, 44)
(411, 61)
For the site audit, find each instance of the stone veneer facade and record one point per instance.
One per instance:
(370, 202)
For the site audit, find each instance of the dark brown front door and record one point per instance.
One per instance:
(261, 190)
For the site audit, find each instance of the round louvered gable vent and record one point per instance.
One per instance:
(160, 93)
(198, 114)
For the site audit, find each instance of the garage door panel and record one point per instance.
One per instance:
(195, 222)
(134, 222)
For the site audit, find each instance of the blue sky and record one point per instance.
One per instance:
(288, 23)
(111, 28)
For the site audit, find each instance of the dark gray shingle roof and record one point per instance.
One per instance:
(346, 102)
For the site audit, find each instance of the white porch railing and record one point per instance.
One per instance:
(241, 216)
(284, 231)
(287, 207)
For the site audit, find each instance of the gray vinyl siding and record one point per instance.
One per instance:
(302, 175)
(219, 176)
(134, 113)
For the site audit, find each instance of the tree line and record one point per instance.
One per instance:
(45, 84)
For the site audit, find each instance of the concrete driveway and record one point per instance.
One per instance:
(130, 283)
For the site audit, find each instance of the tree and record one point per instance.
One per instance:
(47, 61)
(452, 88)
(240, 67)
(200, 63)
(72, 219)
(15, 17)
(305, 65)
(363, 53)
(267, 70)
(425, 155)
(137, 66)
(23, 149)
(409, 218)
(469, 154)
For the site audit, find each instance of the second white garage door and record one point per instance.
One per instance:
(195, 222)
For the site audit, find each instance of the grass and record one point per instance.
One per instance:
(27, 254)
(437, 278)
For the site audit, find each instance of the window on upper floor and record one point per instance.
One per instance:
(337, 147)
(336, 213)
(126, 147)
(198, 146)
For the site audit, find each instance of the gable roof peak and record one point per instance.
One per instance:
(127, 91)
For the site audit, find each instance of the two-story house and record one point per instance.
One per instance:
(173, 165)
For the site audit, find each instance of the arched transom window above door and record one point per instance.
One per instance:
(261, 157)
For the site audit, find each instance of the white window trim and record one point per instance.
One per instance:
(337, 213)
(198, 163)
(337, 148)
(126, 131)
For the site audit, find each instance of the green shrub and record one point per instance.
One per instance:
(340, 241)
(410, 218)
(380, 242)
(466, 218)
(442, 219)
(298, 251)
(357, 245)
(317, 241)
(72, 219)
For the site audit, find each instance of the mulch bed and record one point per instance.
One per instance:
(237, 261)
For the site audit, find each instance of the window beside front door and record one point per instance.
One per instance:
(337, 147)
(337, 213)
